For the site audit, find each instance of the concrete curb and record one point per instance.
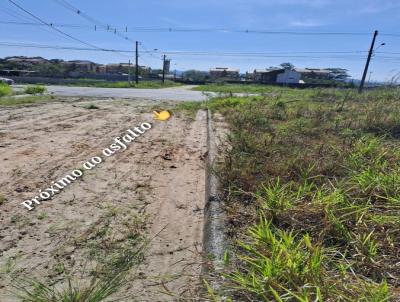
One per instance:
(214, 241)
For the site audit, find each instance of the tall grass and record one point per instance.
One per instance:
(322, 169)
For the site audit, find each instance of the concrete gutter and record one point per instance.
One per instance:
(214, 240)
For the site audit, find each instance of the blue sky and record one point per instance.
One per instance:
(283, 15)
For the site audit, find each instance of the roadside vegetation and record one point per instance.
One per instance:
(10, 98)
(245, 88)
(5, 90)
(311, 183)
(235, 88)
(35, 89)
(16, 100)
(124, 84)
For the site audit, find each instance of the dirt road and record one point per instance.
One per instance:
(183, 93)
(152, 190)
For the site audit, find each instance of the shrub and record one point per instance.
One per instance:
(91, 106)
(36, 89)
(4, 90)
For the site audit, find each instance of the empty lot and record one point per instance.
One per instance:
(150, 196)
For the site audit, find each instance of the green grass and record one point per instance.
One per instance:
(35, 89)
(96, 290)
(5, 90)
(239, 88)
(11, 101)
(109, 84)
(311, 184)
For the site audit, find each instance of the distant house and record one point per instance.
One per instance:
(117, 68)
(123, 68)
(275, 75)
(27, 60)
(314, 73)
(81, 66)
(101, 68)
(224, 73)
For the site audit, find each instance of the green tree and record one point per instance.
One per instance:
(287, 65)
(338, 74)
(195, 75)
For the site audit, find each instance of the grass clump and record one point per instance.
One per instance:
(280, 265)
(35, 89)
(3, 199)
(5, 90)
(322, 168)
(91, 106)
(95, 291)
(109, 250)
(11, 101)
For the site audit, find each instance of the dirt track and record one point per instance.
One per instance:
(160, 179)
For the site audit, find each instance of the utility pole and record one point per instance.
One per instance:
(371, 50)
(129, 72)
(163, 70)
(369, 78)
(137, 63)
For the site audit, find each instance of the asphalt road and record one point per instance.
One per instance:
(165, 94)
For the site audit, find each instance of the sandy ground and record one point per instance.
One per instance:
(160, 180)
(180, 93)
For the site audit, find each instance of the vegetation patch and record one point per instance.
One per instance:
(5, 90)
(35, 89)
(237, 88)
(125, 84)
(311, 182)
(91, 106)
(11, 101)
(102, 263)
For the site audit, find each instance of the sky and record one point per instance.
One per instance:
(222, 19)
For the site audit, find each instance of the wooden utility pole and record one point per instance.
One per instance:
(137, 63)
(163, 70)
(371, 50)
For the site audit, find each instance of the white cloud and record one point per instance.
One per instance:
(305, 23)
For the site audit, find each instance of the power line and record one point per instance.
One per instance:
(84, 15)
(54, 28)
(118, 30)
(303, 54)
(18, 15)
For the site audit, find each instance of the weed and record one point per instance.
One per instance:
(35, 89)
(11, 101)
(3, 199)
(322, 165)
(31, 290)
(91, 106)
(42, 216)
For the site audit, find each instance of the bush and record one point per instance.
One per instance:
(4, 90)
(35, 89)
